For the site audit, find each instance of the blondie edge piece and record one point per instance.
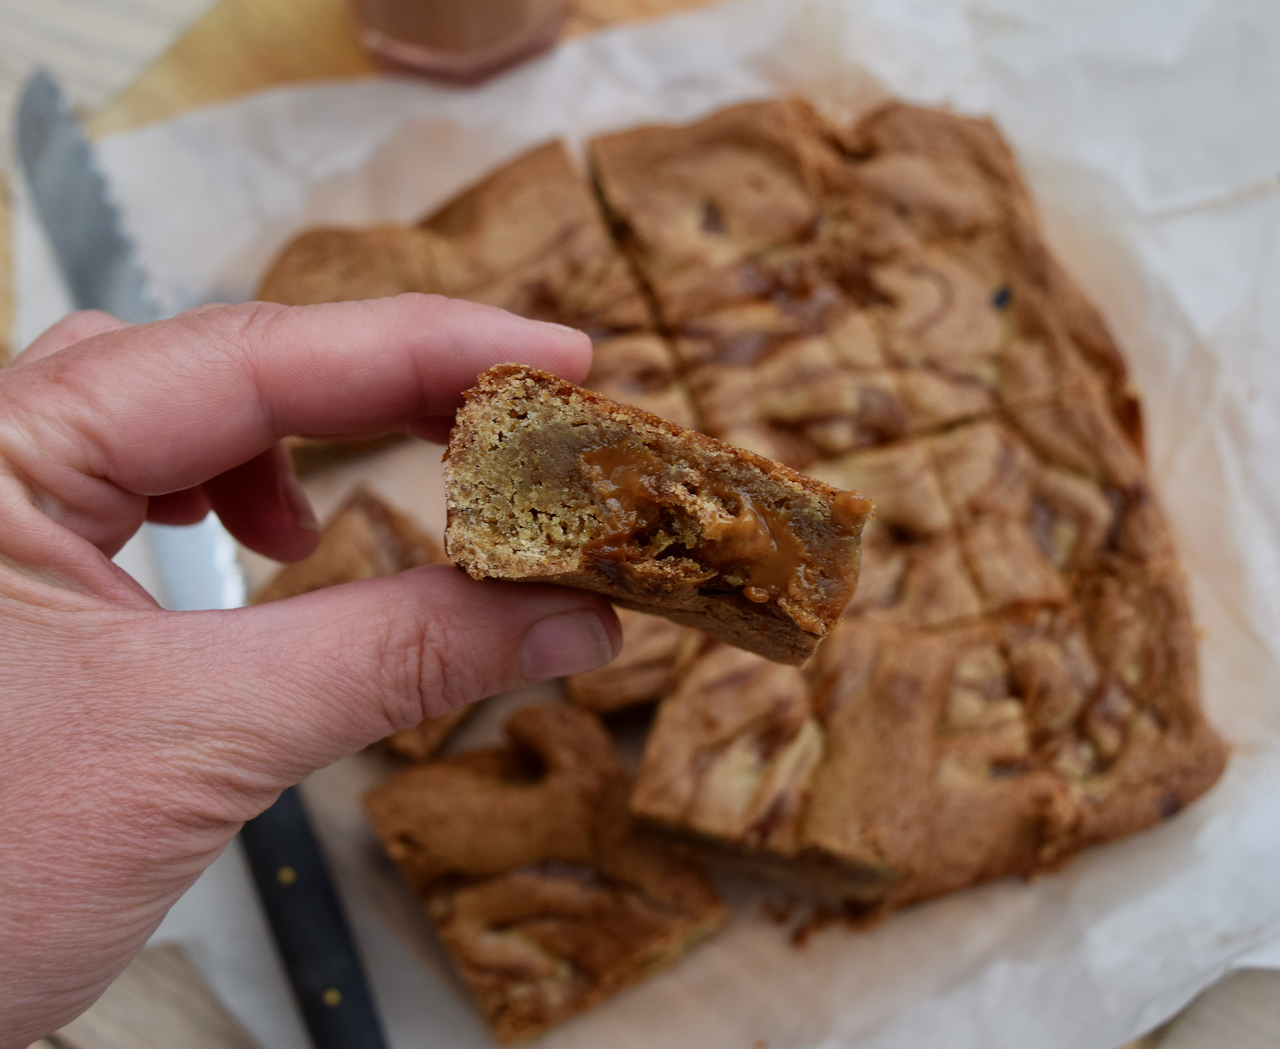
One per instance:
(547, 482)
(546, 894)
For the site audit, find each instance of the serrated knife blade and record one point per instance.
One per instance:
(83, 226)
(200, 571)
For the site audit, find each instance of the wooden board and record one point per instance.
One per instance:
(161, 1002)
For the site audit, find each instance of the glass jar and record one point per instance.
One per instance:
(460, 40)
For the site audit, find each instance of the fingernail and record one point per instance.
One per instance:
(562, 327)
(298, 502)
(569, 643)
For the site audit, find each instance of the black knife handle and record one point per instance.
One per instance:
(310, 928)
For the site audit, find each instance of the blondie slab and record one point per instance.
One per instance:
(1015, 677)
(548, 482)
(913, 225)
(528, 238)
(542, 888)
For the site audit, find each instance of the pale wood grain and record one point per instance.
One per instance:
(160, 1002)
(1241, 1011)
(94, 47)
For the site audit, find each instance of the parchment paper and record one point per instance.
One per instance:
(1150, 132)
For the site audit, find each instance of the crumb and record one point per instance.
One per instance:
(853, 914)
(779, 911)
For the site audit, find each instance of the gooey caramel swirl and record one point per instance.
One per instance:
(755, 551)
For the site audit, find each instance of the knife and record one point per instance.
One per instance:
(200, 571)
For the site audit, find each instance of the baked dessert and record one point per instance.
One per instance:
(551, 483)
(829, 289)
(559, 900)
(903, 764)
(365, 539)
(528, 238)
(340, 265)
(1015, 677)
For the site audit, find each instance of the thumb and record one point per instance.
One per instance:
(298, 683)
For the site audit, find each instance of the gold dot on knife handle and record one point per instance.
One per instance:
(332, 997)
(286, 876)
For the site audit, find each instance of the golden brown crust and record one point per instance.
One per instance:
(915, 764)
(529, 238)
(713, 209)
(560, 901)
(552, 483)
(365, 538)
(339, 265)
(639, 368)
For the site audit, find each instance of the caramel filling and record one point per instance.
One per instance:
(755, 550)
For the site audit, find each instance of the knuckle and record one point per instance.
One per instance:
(430, 674)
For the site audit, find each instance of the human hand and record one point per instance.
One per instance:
(134, 741)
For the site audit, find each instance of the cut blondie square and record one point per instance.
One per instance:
(913, 570)
(365, 539)
(900, 765)
(528, 238)
(545, 892)
(547, 482)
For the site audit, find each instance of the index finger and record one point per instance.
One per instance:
(165, 406)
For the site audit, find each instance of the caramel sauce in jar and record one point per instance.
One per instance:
(461, 40)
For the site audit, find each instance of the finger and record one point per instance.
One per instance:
(216, 386)
(291, 686)
(159, 408)
(73, 328)
(263, 505)
(188, 507)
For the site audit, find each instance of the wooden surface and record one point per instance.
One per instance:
(161, 1002)
(234, 48)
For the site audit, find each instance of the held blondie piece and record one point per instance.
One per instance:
(363, 540)
(546, 894)
(548, 482)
